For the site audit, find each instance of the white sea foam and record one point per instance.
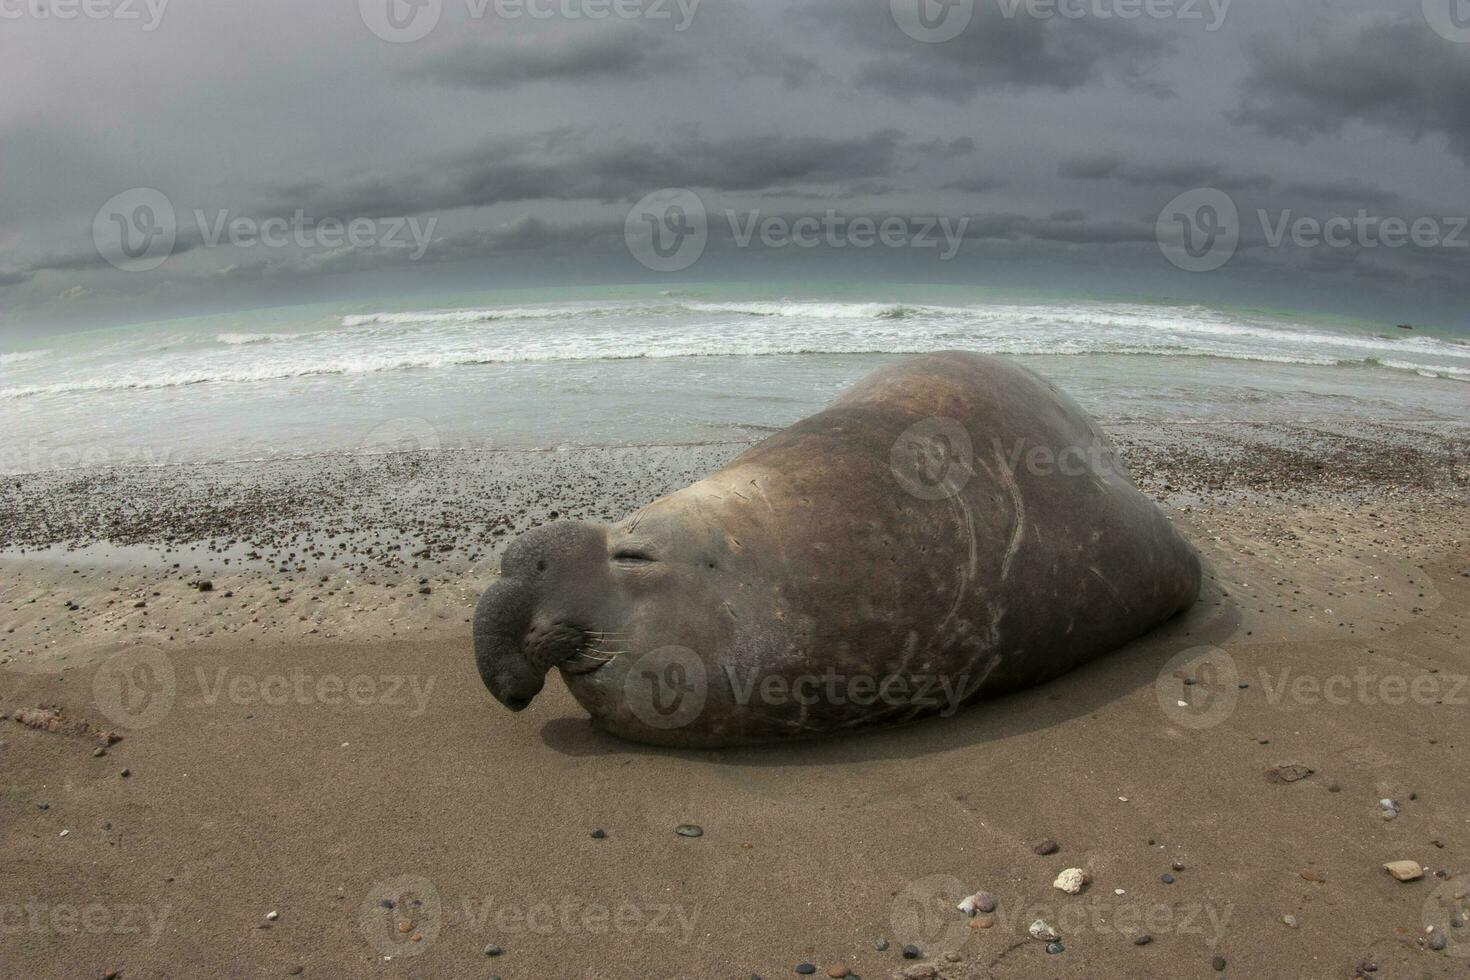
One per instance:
(237, 339)
(22, 356)
(660, 329)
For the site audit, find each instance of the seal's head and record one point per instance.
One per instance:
(589, 599)
(543, 611)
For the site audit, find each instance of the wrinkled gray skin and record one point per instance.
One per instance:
(847, 545)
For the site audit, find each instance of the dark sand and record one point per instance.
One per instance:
(357, 757)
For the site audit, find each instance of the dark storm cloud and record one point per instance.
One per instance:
(976, 185)
(594, 56)
(1391, 72)
(993, 52)
(1343, 191)
(568, 167)
(1170, 175)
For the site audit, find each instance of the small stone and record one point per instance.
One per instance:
(983, 922)
(1041, 930)
(273, 915)
(911, 952)
(206, 586)
(978, 902)
(1307, 874)
(126, 773)
(64, 833)
(689, 830)
(1290, 921)
(920, 971)
(1142, 940)
(405, 927)
(1218, 963)
(839, 970)
(950, 956)
(1437, 940)
(98, 752)
(1334, 788)
(599, 834)
(1045, 847)
(1404, 870)
(881, 945)
(1178, 866)
(805, 969)
(492, 950)
(1167, 879)
(1071, 881)
(1288, 774)
(1055, 948)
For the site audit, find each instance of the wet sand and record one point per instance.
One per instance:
(320, 756)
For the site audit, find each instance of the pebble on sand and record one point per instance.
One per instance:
(1218, 963)
(978, 902)
(1142, 940)
(839, 970)
(1404, 870)
(1071, 881)
(492, 950)
(689, 830)
(805, 969)
(1043, 931)
(1045, 847)
(599, 834)
(911, 952)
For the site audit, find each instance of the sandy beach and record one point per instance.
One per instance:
(311, 779)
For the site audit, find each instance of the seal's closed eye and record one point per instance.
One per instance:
(632, 556)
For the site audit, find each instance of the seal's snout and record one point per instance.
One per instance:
(501, 617)
(514, 646)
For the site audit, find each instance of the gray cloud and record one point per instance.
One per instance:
(1169, 175)
(1384, 70)
(596, 56)
(994, 51)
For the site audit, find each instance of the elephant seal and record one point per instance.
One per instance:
(951, 529)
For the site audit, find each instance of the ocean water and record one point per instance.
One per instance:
(640, 365)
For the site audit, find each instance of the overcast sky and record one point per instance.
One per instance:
(518, 144)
